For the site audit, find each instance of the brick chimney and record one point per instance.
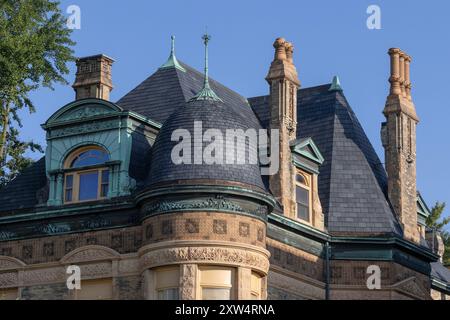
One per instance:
(284, 83)
(399, 141)
(93, 77)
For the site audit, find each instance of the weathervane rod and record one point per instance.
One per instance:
(172, 49)
(206, 93)
(206, 39)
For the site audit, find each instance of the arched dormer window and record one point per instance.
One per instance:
(303, 196)
(86, 175)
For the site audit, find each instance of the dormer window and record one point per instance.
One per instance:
(87, 176)
(303, 196)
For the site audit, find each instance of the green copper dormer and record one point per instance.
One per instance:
(306, 155)
(172, 61)
(206, 93)
(92, 149)
(423, 212)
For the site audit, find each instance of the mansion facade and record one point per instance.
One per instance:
(109, 199)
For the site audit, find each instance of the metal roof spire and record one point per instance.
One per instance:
(172, 60)
(336, 84)
(206, 93)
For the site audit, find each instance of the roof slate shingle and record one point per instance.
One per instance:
(21, 193)
(352, 180)
(440, 272)
(169, 88)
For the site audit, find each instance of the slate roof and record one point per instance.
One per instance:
(169, 88)
(22, 192)
(352, 180)
(212, 115)
(440, 272)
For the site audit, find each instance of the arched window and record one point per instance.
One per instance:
(86, 177)
(303, 196)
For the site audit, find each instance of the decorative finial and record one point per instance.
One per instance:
(336, 84)
(172, 60)
(206, 93)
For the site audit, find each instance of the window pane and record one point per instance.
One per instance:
(300, 179)
(216, 294)
(8, 294)
(105, 176)
(69, 186)
(302, 212)
(302, 196)
(90, 158)
(68, 196)
(255, 286)
(88, 186)
(95, 290)
(104, 190)
(168, 294)
(69, 181)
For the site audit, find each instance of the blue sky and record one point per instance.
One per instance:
(329, 37)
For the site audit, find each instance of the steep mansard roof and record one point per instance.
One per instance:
(23, 192)
(352, 181)
(439, 272)
(151, 98)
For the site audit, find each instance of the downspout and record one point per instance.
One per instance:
(327, 270)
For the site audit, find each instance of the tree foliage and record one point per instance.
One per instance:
(16, 161)
(35, 47)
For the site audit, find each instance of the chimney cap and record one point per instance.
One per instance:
(96, 56)
(394, 50)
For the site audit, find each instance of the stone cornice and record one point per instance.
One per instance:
(215, 189)
(440, 285)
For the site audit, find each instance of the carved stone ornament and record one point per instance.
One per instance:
(90, 253)
(85, 112)
(217, 203)
(7, 263)
(234, 256)
(86, 127)
(6, 235)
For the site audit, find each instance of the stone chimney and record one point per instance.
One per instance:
(398, 135)
(284, 83)
(93, 77)
(435, 242)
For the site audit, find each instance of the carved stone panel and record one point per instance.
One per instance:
(206, 254)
